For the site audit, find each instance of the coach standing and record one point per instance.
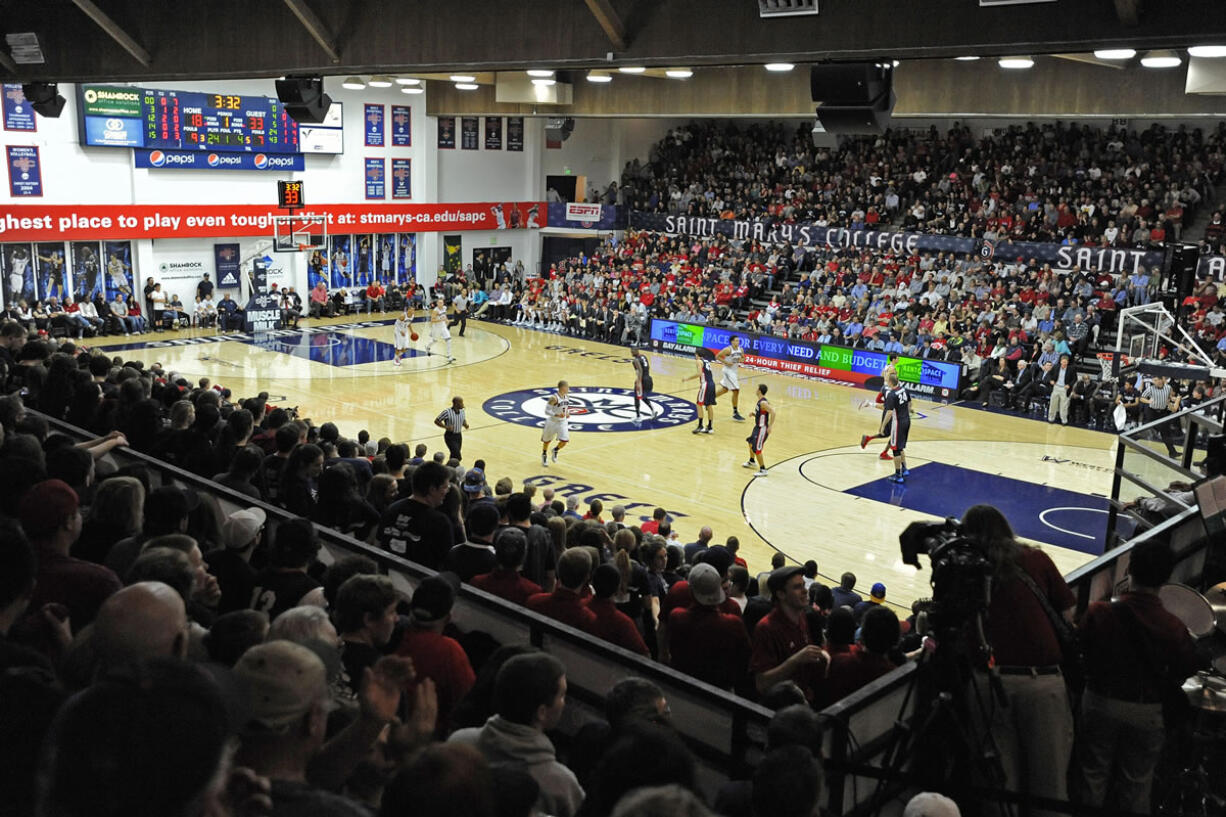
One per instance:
(453, 422)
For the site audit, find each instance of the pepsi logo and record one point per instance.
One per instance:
(157, 158)
(214, 160)
(261, 161)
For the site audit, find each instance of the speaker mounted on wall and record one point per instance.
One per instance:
(853, 97)
(304, 99)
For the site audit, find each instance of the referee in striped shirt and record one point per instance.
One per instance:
(453, 421)
(1157, 397)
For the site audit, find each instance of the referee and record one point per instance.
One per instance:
(453, 421)
(1157, 398)
(460, 304)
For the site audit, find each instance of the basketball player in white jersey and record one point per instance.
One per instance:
(730, 381)
(499, 216)
(18, 262)
(438, 328)
(117, 269)
(557, 422)
(400, 334)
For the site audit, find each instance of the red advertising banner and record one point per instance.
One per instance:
(67, 222)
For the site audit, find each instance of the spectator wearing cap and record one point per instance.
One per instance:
(694, 548)
(436, 656)
(51, 517)
(875, 598)
(679, 594)
(505, 581)
(864, 662)
(285, 689)
(366, 618)
(476, 556)
(611, 624)
(476, 491)
(845, 594)
(230, 564)
(565, 603)
(529, 699)
(782, 647)
(704, 641)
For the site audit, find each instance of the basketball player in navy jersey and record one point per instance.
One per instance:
(885, 373)
(706, 390)
(730, 380)
(642, 381)
(898, 419)
(557, 422)
(763, 422)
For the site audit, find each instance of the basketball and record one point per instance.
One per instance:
(412, 336)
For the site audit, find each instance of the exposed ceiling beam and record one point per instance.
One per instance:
(117, 33)
(1128, 11)
(311, 22)
(604, 13)
(1090, 59)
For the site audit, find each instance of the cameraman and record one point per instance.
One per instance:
(1034, 733)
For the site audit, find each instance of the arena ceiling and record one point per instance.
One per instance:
(130, 40)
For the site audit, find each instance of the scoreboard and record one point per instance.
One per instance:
(156, 119)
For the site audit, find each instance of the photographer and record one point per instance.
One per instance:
(1026, 585)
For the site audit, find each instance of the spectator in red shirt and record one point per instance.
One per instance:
(612, 624)
(436, 656)
(705, 642)
(864, 662)
(782, 647)
(565, 603)
(653, 525)
(505, 581)
(374, 297)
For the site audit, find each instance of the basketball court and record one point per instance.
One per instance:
(825, 498)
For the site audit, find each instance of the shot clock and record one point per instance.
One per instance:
(290, 195)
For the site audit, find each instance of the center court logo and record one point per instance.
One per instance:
(592, 409)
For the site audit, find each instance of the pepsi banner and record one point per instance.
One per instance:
(515, 133)
(402, 126)
(402, 178)
(17, 112)
(375, 179)
(25, 171)
(934, 379)
(199, 160)
(226, 265)
(1063, 257)
(374, 126)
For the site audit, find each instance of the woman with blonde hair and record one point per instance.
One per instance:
(118, 511)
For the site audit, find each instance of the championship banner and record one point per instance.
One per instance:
(226, 258)
(92, 222)
(493, 133)
(376, 177)
(374, 126)
(515, 133)
(446, 133)
(933, 379)
(470, 136)
(17, 112)
(402, 126)
(402, 178)
(1063, 257)
(199, 160)
(25, 172)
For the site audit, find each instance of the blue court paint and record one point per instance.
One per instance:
(1040, 513)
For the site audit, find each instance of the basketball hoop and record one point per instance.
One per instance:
(299, 233)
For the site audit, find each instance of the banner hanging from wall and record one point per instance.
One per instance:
(493, 133)
(586, 216)
(25, 171)
(515, 133)
(402, 178)
(376, 179)
(374, 126)
(446, 133)
(470, 133)
(88, 279)
(30, 222)
(226, 260)
(402, 126)
(1063, 257)
(17, 112)
(199, 160)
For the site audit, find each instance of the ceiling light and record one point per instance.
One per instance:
(467, 86)
(539, 72)
(412, 89)
(599, 76)
(1116, 53)
(1207, 51)
(632, 69)
(463, 78)
(408, 81)
(544, 81)
(779, 67)
(380, 82)
(895, 64)
(1015, 62)
(678, 73)
(967, 58)
(1161, 59)
(353, 84)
